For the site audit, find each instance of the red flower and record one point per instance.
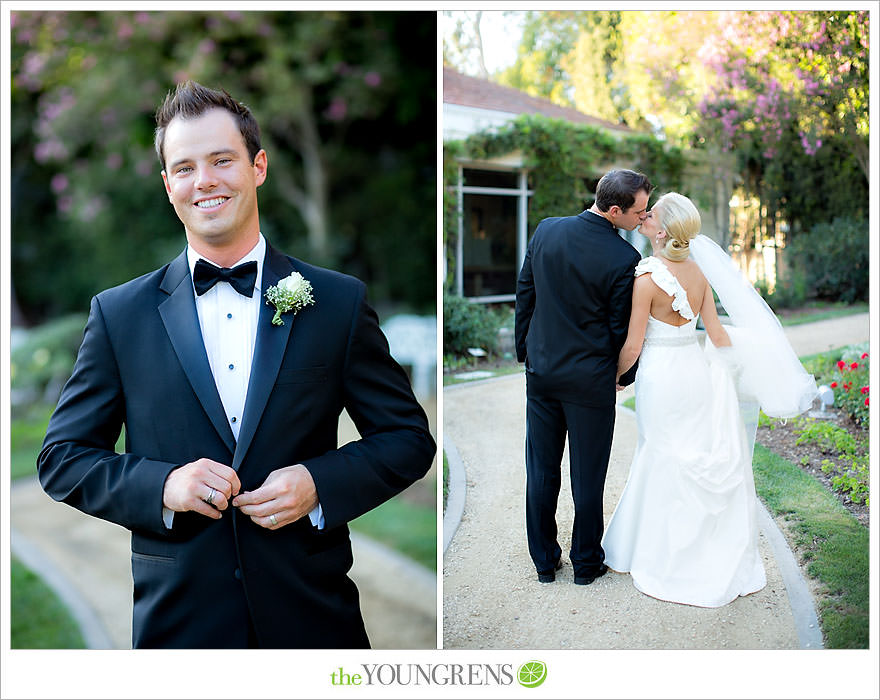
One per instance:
(854, 365)
(833, 385)
(864, 390)
(866, 402)
(864, 355)
(841, 364)
(847, 386)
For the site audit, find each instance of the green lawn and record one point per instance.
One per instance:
(832, 543)
(445, 481)
(819, 311)
(406, 527)
(26, 433)
(38, 619)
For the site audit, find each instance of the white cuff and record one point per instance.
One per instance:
(317, 517)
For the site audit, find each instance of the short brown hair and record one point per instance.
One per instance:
(190, 100)
(619, 188)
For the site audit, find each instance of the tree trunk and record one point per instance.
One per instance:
(310, 198)
(478, 41)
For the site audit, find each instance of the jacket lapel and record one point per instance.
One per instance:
(269, 350)
(181, 321)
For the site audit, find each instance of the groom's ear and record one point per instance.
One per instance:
(613, 212)
(167, 186)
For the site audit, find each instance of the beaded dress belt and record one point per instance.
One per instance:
(670, 341)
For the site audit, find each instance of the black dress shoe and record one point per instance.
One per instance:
(589, 578)
(549, 576)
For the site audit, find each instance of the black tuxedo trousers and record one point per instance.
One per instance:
(573, 302)
(589, 430)
(230, 583)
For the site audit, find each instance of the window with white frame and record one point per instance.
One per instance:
(493, 213)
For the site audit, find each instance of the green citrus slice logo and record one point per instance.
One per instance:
(532, 673)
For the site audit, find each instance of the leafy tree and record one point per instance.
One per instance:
(659, 66)
(785, 91)
(464, 45)
(591, 64)
(791, 99)
(345, 101)
(808, 68)
(540, 69)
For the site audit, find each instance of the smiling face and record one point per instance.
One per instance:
(211, 181)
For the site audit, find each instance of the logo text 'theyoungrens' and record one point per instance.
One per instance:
(425, 674)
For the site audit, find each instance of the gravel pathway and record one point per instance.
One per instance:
(491, 596)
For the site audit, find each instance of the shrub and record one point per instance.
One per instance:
(762, 287)
(849, 468)
(851, 385)
(467, 325)
(791, 290)
(833, 257)
(42, 361)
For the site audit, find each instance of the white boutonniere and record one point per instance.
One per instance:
(290, 294)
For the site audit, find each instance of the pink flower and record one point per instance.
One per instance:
(337, 110)
(864, 355)
(59, 183)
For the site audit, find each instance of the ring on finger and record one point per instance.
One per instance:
(210, 499)
(273, 520)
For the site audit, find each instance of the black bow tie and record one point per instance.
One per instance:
(241, 277)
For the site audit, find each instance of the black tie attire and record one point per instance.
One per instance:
(573, 301)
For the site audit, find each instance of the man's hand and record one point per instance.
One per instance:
(287, 495)
(191, 486)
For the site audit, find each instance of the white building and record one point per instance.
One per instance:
(493, 195)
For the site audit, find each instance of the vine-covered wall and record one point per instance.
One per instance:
(562, 157)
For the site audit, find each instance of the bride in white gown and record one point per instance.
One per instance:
(686, 524)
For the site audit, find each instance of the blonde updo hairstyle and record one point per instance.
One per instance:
(679, 218)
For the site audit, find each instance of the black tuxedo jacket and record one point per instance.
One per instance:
(142, 364)
(573, 302)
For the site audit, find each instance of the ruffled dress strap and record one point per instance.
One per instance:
(664, 279)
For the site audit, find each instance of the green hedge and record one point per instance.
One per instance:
(467, 325)
(833, 258)
(562, 158)
(42, 362)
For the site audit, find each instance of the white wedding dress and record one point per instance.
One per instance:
(686, 524)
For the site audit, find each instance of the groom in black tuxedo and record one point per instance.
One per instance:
(573, 301)
(231, 482)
